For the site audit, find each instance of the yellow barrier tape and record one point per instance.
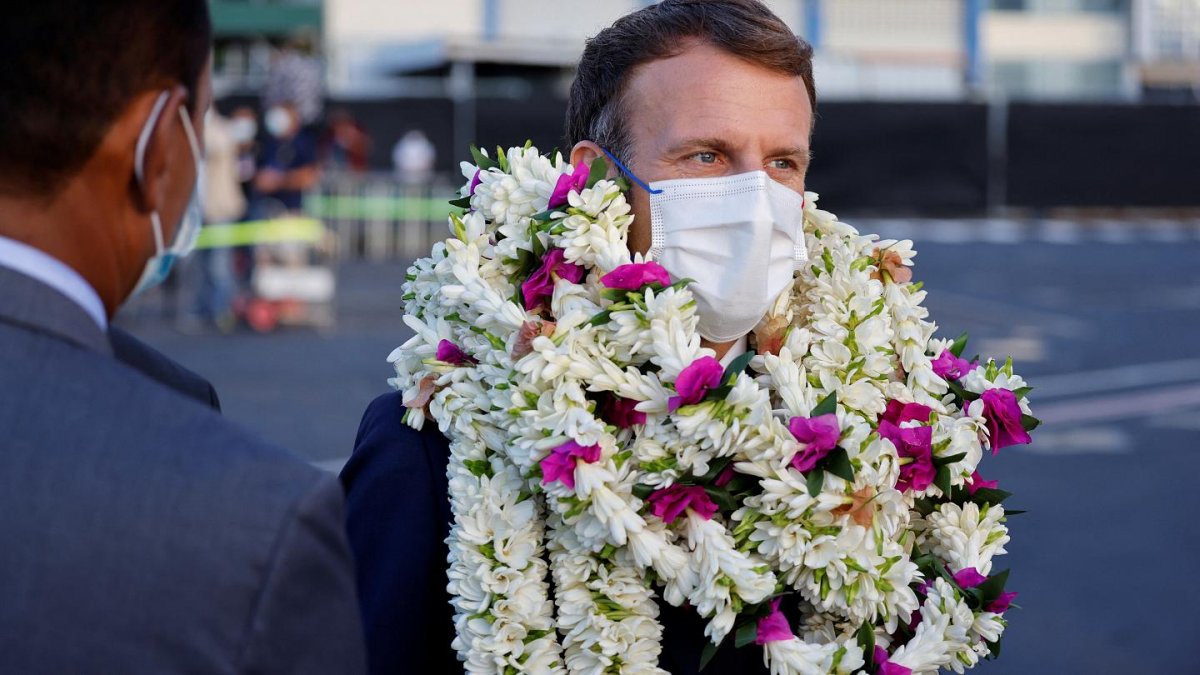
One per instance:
(251, 232)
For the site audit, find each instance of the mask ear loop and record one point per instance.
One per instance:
(625, 170)
(139, 164)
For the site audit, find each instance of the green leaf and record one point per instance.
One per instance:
(642, 491)
(992, 588)
(1022, 392)
(502, 157)
(990, 496)
(736, 367)
(993, 650)
(597, 170)
(614, 294)
(461, 202)
(962, 393)
(837, 462)
(746, 634)
(956, 348)
(815, 480)
(714, 469)
(544, 216)
(725, 501)
(942, 480)
(600, 318)
(483, 161)
(923, 505)
(1029, 422)
(828, 405)
(949, 459)
(866, 640)
(1015, 512)
(707, 654)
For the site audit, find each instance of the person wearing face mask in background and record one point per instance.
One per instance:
(707, 107)
(287, 167)
(142, 532)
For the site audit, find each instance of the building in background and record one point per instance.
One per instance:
(246, 34)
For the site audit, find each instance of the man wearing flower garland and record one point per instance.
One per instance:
(683, 98)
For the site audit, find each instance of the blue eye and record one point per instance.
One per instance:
(706, 157)
(782, 164)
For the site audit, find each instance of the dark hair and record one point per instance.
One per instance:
(70, 67)
(744, 28)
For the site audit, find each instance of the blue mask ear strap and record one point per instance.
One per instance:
(625, 170)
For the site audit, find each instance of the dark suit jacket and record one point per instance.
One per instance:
(143, 533)
(159, 367)
(398, 516)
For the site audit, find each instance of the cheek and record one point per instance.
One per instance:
(639, 231)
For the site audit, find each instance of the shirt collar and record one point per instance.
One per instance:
(54, 273)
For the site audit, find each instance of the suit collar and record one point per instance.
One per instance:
(33, 305)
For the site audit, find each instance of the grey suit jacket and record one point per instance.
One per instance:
(142, 533)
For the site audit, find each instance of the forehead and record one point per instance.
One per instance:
(705, 92)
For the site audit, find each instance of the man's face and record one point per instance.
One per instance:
(705, 114)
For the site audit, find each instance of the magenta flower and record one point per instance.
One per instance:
(724, 477)
(897, 413)
(634, 276)
(949, 367)
(915, 443)
(670, 502)
(621, 412)
(968, 577)
(559, 465)
(693, 382)
(885, 667)
(475, 181)
(977, 483)
(448, 352)
(1001, 603)
(567, 183)
(819, 435)
(773, 627)
(1003, 417)
(540, 285)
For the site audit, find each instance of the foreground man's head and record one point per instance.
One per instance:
(101, 105)
(693, 89)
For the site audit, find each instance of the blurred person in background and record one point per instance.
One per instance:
(224, 203)
(413, 157)
(287, 166)
(243, 126)
(345, 145)
(142, 532)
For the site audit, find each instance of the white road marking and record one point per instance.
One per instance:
(1105, 440)
(1059, 232)
(1000, 231)
(1117, 407)
(1113, 379)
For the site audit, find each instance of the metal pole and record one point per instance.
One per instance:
(812, 22)
(973, 75)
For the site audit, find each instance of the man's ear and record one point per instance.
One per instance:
(161, 145)
(585, 152)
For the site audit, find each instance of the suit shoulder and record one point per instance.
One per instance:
(387, 444)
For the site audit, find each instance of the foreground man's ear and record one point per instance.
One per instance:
(585, 152)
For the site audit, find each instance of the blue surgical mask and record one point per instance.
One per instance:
(159, 265)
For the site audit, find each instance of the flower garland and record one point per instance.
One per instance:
(834, 470)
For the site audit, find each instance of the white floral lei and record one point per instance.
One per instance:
(857, 557)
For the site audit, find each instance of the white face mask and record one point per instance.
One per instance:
(159, 265)
(739, 237)
(243, 129)
(278, 122)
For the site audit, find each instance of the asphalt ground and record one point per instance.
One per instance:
(1101, 320)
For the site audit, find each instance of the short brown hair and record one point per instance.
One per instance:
(744, 28)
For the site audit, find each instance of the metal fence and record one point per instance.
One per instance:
(377, 217)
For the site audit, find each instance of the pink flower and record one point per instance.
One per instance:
(977, 483)
(1001, 603)
(897, 413)
(540, 285)
(693, 382)
(670, 502)
(568, 183)
(448, 352)
(559, 465)
(773, 627)
(968, 577)
(819, 435)
(475, 181)
(885, 667)
(915, 443)
(634, 276)
(949, 367)
(1003, 417)
(621, 412)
